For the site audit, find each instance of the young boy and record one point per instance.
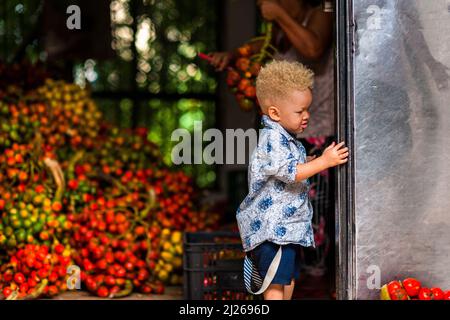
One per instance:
(277, 211)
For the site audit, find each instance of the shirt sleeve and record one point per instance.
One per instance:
(275, 158)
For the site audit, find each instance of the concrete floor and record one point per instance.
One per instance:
(308, 287)
(171, 293)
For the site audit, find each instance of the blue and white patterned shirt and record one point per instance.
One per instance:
(277, 208)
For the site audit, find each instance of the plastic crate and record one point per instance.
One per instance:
(213, 266)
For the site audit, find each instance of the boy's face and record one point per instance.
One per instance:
(292, 111)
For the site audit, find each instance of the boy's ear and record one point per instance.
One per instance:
(273, 113)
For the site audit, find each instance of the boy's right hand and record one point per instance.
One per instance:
(335, 154)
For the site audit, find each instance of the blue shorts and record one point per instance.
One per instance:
(289, 267)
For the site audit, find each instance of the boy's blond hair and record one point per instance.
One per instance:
(278, 78)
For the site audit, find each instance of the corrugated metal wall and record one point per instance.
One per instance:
(402, 143)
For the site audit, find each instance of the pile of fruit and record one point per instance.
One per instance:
(60, 115)
(77, 192)
(36, 271)
(171, 248)
(411, 289)
(30, 200)
(241, 76)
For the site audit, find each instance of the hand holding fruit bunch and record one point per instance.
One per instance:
(241, 75)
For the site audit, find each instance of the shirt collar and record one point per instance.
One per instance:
(269, 123)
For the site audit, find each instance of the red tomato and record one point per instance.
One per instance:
(437, 293)
(65, 261)
(109, 257)
(52, 290)
(41, 255)
(39, 189)
(103, 239)
(91, 284)
(31, 282)
(245, 50)
(120, 272)
(110, 280)
(142, 275)
(88, 266)
(72, 184)
(84, 252)
(8, 276)
(136, 283)
(123, 244)
(37, 265)
(25, 270)
(112, 228)
(30, 262)
(393, 285)
(399, 294)
(121, 257)
(425, 294)
(243, 84)
(7, 291)
(24, 287)
(102, 264)
(19, 278)
(102, 292)
(59, 248)
(111, 270)
(114, 243)
(250, 92)
(129, 266)
(146, 289)
(115, 289)
(56, 206)
(447, 295)
(97, 252)
(140, 264)
(232, 78)
(243, 64)
(99, 278)
(412, 286)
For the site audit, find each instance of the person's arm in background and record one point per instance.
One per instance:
(310, 41)
(412, 30)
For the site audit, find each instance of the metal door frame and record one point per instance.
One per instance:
(345, 175)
